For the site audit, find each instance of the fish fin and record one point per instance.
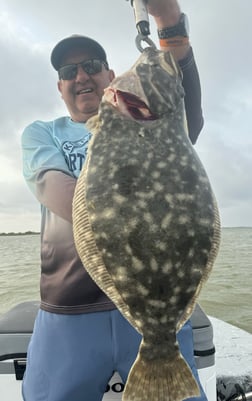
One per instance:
(160, 380)
(86, 246)
(209, 266)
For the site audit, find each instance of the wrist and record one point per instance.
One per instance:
(177, 35)
(179, 29)
(176, 38)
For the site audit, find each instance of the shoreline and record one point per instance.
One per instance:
(11, 234)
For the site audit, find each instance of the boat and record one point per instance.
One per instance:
(223, 355)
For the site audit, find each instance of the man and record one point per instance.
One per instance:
(79, 337)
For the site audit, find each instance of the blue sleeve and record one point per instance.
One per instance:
(40, 153)
(46, 171)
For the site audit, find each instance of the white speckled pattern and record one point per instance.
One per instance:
(146, 224)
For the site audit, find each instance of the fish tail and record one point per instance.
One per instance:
(160, 380)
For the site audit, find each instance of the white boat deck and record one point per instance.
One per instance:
(233, 361)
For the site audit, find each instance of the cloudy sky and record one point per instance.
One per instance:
(220, 32)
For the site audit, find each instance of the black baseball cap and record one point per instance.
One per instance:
(90, 45)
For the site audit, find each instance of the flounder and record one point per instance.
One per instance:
(146, 224)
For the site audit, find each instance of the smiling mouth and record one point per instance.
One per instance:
(84, 91)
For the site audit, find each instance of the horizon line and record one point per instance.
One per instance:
(38, 232)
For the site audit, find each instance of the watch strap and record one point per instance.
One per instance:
(178, 30)
(174, 42)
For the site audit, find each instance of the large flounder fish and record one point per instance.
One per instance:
(146, 224)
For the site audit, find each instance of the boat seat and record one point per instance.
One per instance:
(19, 319)
(199, 319)
(204, 349)
(16, 327)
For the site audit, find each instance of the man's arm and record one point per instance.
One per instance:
(191, 85)
(46, 172)
(55, 190)
(167, 14)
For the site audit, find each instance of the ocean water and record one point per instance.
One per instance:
(226, 295)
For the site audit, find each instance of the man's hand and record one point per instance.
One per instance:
(165, 12)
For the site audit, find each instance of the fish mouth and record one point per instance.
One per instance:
(129, 105)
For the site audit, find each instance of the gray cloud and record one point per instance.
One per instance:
(220, 33)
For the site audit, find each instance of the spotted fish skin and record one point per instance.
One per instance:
(146, 224)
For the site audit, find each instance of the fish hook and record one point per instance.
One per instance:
(143, 38)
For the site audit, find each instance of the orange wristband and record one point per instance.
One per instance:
(176, 41)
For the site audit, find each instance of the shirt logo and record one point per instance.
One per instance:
(75, 153)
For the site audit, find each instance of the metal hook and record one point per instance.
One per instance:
(143, 38)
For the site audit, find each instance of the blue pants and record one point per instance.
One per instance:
(73, 357)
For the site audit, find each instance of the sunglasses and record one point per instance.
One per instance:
(91, 67)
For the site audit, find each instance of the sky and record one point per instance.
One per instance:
(220, 33)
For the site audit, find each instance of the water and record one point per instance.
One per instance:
(19, 269)
(226, 295)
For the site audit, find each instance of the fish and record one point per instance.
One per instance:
(145, 219)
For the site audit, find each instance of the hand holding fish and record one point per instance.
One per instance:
(167, 14)
(167, 10)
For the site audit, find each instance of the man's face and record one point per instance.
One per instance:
(82, 94)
